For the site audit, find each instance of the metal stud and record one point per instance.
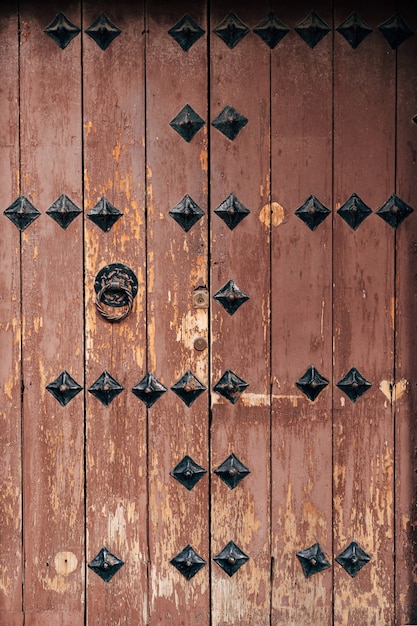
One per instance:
(353, 384)
(231, 211)
(231, 297)
(312, 560)
(61, 30)
(231, 558)
(231, 30)
(106, 388)
(188, 388)
(186, 213)
(354, 211)
(149, 389)
(64, 388)
(105, 564)
(312, 383)
(232, 471)
(104, 214)
(395, 30)
(186, 32)
(394, 211)
(103, 31)
(312, 212)
(230, 122)
(188, 562)
(353, 558)
(187, 123)
(312, 29)
(188, 472)
(22, 213)
(354, 29)
(231, 386)
(271, 30)
(63, 211)
(415, 119)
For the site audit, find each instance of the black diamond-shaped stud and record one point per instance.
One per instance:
(353, 558)
(230, 122)
(231, 297)
(354, 29)
(354, 211)
(187, 123)
(103, 31)
(312, 383)
(232, 471)
(353, 384)
(188, 562)
(105, 564)
(231, 30)
(22, 213)
(231, 211)
(149, 389)
(312, 29)
(188, 472)
(186, 213)
(188, 388)
(63, 211)
(271, 30)
(64, 388)
(186, 32)
(231, 558)
(312, 560)
(230, 386)
(104, 214)
(395, 30)
(106, 388)
(394, 211)
(415, 119)
(312, 212)
(61, 30)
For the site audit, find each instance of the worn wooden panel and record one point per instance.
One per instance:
(10, 325)
(239, 78)
(177, 266)
(364, 157)
(53, 435)
(301, 319)
(406, 338)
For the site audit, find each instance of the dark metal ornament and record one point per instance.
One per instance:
(354, 211)
(188, 388)
(22, 213)
(231, 558)
(415, 119)
(188, 562)
(232, 471)
(312, 560)
(394, 211)
(395, 30)
(106, 388)
(354, 29)
(104, 214)
(149, 389)
(231, 297)
(186, 32)
(230, 386)
(61, 30)
(188, 472)
(353, 558)
(231, 30)
(63, 211)
(114, 281)
(231, 211)
(312, 383)
(271, 30)
(186, 213)
(105, 564)
(187, 123)
(353, 384)
(64, 388)
(312, 212)
(312, 29)
(103, 31)
(230, 122)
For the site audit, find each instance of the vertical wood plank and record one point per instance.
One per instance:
(239, 78)
(177, 266)
(113, 90)
(364, 136)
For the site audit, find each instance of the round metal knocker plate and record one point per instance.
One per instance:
(116, 273)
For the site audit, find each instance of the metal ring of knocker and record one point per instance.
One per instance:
(116, 286)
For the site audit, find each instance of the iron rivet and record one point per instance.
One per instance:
(187, 387)
(232, 471)
(148, 390)
(231, 560)
(188, 473)
(63, 388)
(200, 343)
(230, 387)
(188, 562)
(311, 210)
(105, 565)
(313, 561)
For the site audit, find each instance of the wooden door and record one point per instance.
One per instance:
(207, 294)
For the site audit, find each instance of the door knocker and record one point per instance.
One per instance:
(116, 286)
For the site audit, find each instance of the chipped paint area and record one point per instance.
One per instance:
(393, 392)
(272, 214)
